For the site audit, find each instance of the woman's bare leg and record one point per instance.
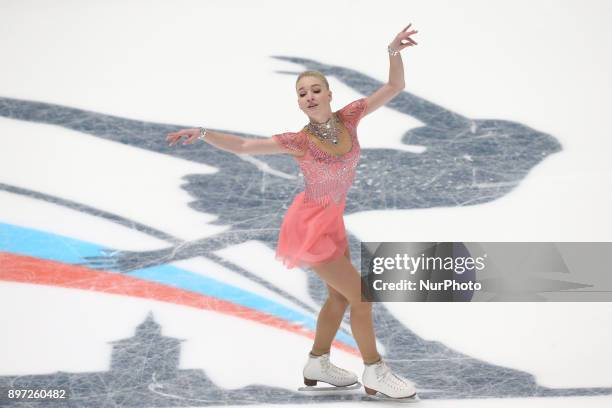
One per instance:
(329, 320)
(340, 275)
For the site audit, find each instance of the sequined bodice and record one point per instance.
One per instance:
(327, 177)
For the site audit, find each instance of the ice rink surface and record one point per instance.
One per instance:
(138, 274)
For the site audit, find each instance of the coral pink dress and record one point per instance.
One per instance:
(313, 230)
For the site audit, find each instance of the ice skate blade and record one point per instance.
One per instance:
(383, 397)
(330, 388)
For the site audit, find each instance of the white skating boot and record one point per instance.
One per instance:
(319, 368)
(378, 377)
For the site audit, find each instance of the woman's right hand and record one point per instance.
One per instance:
(190, 136)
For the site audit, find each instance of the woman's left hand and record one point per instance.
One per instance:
(403, 40)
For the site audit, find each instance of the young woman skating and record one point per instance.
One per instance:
(312, 234)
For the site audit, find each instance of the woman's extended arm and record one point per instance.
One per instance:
(229, 143)
(395, 83)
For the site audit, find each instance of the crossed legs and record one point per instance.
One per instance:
(344, 287)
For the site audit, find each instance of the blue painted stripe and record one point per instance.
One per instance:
(45, 245)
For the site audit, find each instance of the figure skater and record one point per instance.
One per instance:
(312, 234)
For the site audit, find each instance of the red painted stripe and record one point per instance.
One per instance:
(26, 269)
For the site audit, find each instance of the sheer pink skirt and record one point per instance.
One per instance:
(311, 234)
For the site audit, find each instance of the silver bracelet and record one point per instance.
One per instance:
(391, 51)
(203, 133)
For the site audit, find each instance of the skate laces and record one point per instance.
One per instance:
(384, 374)
(330, 368)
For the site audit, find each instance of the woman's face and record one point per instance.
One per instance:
(313, 98)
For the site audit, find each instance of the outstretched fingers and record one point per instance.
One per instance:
(174, 137)
(405, 38)
(191, 137)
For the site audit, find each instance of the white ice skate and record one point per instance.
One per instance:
(380, 382)
(320, 369)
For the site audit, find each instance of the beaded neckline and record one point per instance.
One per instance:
(316, 146)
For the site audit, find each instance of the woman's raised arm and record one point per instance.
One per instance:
(229, 143)
(396, 71)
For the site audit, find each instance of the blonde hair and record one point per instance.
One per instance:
(313, 73)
